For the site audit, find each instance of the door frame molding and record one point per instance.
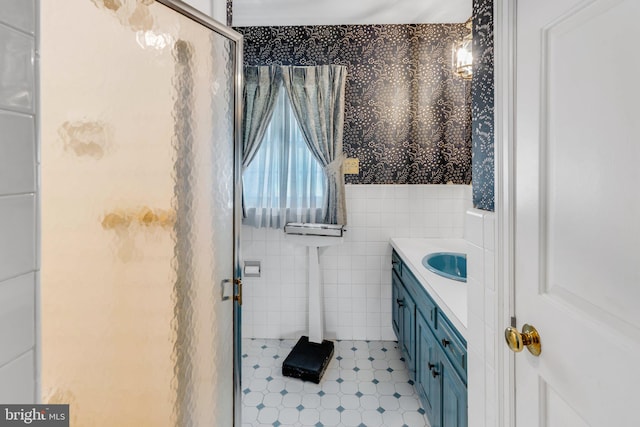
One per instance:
(504, 12)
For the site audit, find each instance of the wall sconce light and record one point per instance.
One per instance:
(462, 54)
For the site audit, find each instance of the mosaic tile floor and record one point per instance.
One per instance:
(365, 385)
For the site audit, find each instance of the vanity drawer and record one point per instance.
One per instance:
(396, 263)
(454, 347)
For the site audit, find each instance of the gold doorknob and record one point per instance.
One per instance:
(529, 338)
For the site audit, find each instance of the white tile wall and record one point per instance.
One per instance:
(16, 380)
(481, 335)
(17, 316)
(18, 201)
(18, 231)
(356, 274)
(17, 151)
(19, 14)
(17, 53)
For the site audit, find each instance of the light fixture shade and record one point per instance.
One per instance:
(463, 56)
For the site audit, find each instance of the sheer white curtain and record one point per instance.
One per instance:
(284, 182)
(317, 99)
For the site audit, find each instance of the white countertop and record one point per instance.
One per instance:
(449, 294)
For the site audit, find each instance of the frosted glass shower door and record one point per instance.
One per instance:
(138, 179)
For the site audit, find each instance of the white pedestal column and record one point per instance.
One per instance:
(316, 306)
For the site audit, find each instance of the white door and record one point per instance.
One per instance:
(578, 211)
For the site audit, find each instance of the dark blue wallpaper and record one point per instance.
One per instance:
(407, 115)
(482, 108)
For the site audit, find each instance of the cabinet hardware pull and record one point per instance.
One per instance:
(394, 262)
(435, 373)
(445, 342)
(431, 366)
(400, 302)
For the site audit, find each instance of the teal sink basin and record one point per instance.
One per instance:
(451, 265)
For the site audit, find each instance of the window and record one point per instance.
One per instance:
(284, 182)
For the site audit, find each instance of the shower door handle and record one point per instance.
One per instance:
(223, 284)
(238, 295)
(236, 291)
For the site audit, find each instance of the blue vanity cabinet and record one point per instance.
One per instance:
(403, 319)
(396, 298)
(454, 396)
(441, 387)
(408, 332)
(428, 384)
(434, 350)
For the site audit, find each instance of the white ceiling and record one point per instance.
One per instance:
(348, 12)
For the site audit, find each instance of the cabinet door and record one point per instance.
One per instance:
(408, 331)
(428, 385)
(454, 396)
(396, 300)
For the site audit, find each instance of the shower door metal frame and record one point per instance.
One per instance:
(210, 23)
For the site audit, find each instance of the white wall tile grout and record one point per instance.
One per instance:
(16, 357)
(15, 276)
(17, 194)
(17, 29)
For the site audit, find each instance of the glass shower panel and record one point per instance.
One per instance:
(137, 214)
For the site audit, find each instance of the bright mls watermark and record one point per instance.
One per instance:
(34, 415)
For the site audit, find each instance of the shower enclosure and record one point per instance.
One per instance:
(140, 106)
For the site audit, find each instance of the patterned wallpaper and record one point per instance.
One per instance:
(483, 106)
(407, 116)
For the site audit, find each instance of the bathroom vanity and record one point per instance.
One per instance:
(429, 319)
